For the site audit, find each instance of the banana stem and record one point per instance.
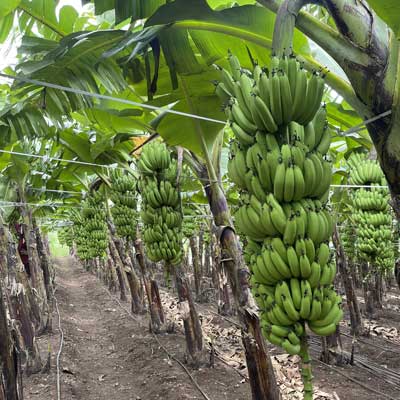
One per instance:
(306, 372)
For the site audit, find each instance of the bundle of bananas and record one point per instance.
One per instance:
(123, 195)
(190, 225)
(81, 236)
(278, 160)
(95, 225)
(161, 207)
(370, 213)
(66, 236)
(347, 238)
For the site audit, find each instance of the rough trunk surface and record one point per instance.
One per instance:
(195, 352)
(262, 379)
(157, 319)
(351, 298)
(194, 248)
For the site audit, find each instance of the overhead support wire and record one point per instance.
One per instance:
(354, 129)
(45, 157)
(106, 97)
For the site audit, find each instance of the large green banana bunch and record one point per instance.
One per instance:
(81, 235)
(371, 213)
(161, 206)
(66, 236)
(124, 213)
(95, 225)
(278, 160)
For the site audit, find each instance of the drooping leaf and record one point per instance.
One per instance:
(212, 30)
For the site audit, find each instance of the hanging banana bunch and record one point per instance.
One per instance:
(66, 236)
(278, 160)
(81, 236)
(348, 236)
(124, 211)
(191, 225)
(371, 213)
(161, 206)
(94, 223)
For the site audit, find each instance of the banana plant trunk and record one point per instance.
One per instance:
(19, 304)
(201, 252)
(356, 325)
(194, 248)
(136, 269)
(8, 355)
(111, 274)
(157, 317)
(368, 289)
(195, 351)
(128, 272)
(36, 273)
(261, 374)
(47, 271)
(118, 269)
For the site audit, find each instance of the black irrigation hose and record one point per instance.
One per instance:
(366, 387)
(371, 368)
(386, 349)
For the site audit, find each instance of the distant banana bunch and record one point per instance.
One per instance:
(66, 236)
(95, 224)
(161, 206)
(371, 213)
(124, 211)
(191, 225)
(347, 238)
(278, 161)
(81, 236)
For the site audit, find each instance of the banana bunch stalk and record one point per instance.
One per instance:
(278, 160)
(161, 206)
(124, 213)
(370, 213)
(95, 226)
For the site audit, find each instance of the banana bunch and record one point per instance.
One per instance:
(363, 171)
(278, 160)
(370, 213)
(161, 206)
(95, 225)
(123, 195)
(66, 236)
(81, 235)
(284, 163)
(347, 236)
(291, 221)
(285, 307)
(191, 225)
(264, 101)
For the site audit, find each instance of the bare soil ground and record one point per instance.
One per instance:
(108, 355)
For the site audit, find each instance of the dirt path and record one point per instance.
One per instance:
(106, 355)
